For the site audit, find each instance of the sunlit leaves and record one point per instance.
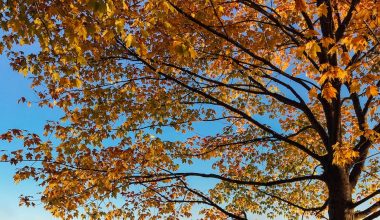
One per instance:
(344, 154)
(300, 5)
(129, 40)
(312, 48)
(260, 90)
(372, 91)
(329, 92)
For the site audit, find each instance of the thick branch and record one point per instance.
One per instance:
(320, 208)
(363, 148)
(253, 183)
(373, 216)
(370, 210)
(343, 26)
(358, 167)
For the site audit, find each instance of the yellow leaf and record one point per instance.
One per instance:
(37, 21)
(78, 83)
(168, 7)
(55, 76)
(313, 93)
(81, 60)
(372, 91)
(167, 24)
(327, 41)
(221, 9)
(24, 71)
(313, 48)
(125, 6)
(322, 10)
(81, 31)
(108, 35)
(119, 23)
(329, 92)
(337, 73)
(179, 47)
(22, 42)
(142, 50)
(110, 8)
(144, 33)
(193, 53)
(333, 50)
(354, 87)
(128, 40)
(347, 42)
(343, 154)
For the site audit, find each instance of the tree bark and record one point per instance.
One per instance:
(340, 194)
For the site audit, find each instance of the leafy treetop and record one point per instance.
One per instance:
(292, 85)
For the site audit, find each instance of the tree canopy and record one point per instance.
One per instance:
(291, 88)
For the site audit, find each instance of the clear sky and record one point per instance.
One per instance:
(13, 115)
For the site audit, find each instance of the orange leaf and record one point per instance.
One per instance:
(371, 91)
(329, 92)
(300, 5)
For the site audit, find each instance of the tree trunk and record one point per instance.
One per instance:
(340, 194)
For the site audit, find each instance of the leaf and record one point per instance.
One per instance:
(81, 31)
(167, 25)
(108, 35)
(311, 33)
(24, 71)
(354, 87)
(1, 48)
(78, 83)
(168, 7)
(129, 40)
(327, 41)
(343, 154)
(345, 57)
(300, 5)
(329, 92)
(193, 53)
(312, 48)
(220, 9)
(4, 157)
(81, 60)
(55, 76)
(371, 91)
(313, 93)
(322, 10)
(142, 50)
(37, 21)
(120, 23)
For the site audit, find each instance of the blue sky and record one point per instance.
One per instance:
(13, 115)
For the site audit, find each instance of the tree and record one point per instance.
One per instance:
(291, 87)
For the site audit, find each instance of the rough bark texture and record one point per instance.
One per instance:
(340, 194)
